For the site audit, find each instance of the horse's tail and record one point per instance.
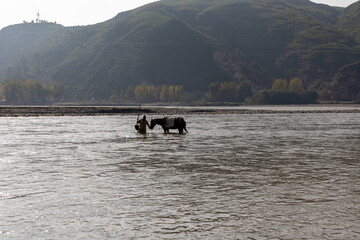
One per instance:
(184, 124)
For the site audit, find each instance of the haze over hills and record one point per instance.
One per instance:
(190, 43)
(21, 39)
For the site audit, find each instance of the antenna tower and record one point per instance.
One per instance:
(38, 16)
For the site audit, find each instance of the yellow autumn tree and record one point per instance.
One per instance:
(296, 85)
(152, 93)
(178, 92)
(146, 93)
(164, 93)
(280, 85)
(171, 93)
(29, 91)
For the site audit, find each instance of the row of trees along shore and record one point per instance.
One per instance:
(30, 92)
(282, 92)
(151, 93)
(218, 92)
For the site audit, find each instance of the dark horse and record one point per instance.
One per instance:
(169, 123)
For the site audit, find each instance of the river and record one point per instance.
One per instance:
(256, 176)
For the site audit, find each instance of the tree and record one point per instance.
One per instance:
(178, 92)
(146, 93)
(285, 97)
(280, 85)
(113, 98)
(229, 91)
(29, 91)
(129, 94)
(164, 93)
(57, 92)
(140, 93)
(296, 85)
(171, 93)
(245, 91)
(10, 91)
(213, 91)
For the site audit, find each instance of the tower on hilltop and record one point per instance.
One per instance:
(38, 17)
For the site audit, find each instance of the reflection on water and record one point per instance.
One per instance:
(232, 177)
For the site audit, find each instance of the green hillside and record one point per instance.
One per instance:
(194, 43)
(21, 39)
(349, 21)
(141, 49)
(346, 83)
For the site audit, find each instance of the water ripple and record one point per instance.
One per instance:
(237, 177)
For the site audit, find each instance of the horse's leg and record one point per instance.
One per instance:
(166, 130)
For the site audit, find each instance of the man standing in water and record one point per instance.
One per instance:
(142, 125)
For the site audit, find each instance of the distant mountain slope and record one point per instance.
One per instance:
(193, 43)
(346, 83)
(21, 39)
(350, 21)
(145, 48)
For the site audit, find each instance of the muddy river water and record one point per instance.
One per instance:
(257, 176)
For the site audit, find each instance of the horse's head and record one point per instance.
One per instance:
(152, 124)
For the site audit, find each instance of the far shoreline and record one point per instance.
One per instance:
(39, 111)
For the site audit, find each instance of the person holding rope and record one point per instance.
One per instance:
(142, 123)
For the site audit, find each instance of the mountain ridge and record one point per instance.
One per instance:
(196, 42)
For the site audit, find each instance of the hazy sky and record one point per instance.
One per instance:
(81, 12)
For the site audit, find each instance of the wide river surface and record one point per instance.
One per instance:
(270, 176)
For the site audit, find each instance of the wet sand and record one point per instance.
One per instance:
(35, 111)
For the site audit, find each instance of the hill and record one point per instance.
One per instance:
(22, 39)
(193, 43)
(346, 83)
(349, 21)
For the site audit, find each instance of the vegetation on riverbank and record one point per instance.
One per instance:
(192, 44)
(34, 92)
(30, 92)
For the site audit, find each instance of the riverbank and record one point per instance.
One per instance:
(35, 111)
